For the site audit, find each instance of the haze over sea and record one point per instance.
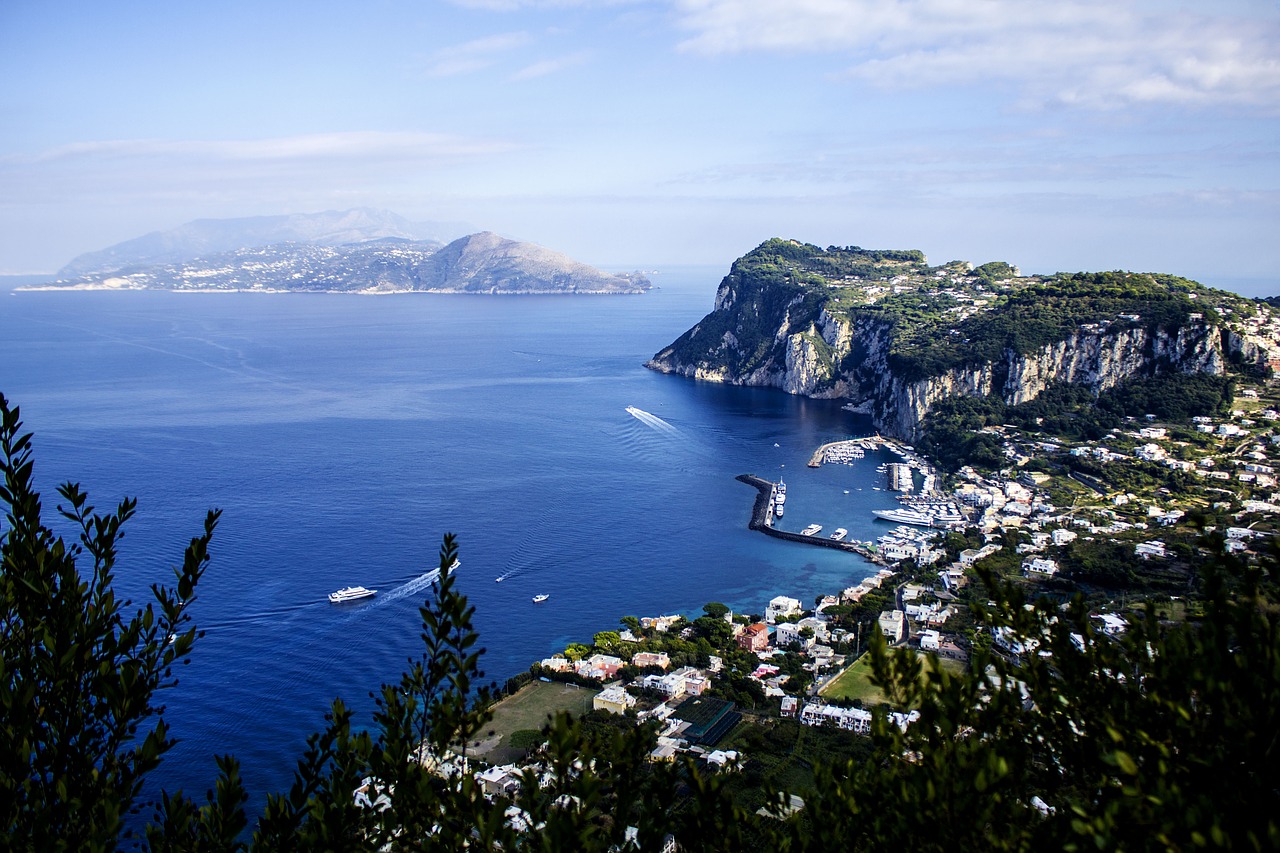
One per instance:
(342, 436)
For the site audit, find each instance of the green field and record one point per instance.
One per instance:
(855, 682)
(530, 708)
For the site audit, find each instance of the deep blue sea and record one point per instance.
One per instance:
(342, 436)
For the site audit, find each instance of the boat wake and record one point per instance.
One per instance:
(651, 420)
(418, 584)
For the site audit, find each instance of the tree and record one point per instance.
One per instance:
(576, 651)
(1163, 737)
(606, 640)
(83, 671)
(715, 609)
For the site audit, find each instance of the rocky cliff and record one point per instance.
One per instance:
(894, 336)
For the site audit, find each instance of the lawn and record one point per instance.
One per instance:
(855, 682)
(528, 709)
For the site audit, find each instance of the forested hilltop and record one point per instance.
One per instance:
(895, 335)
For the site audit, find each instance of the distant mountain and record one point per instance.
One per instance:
(487, 263)
(479, 263)
(205, 237)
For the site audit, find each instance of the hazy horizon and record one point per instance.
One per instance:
(1058, 136)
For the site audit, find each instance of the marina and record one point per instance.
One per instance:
(845, 452)
(900, 479)
(762, 521)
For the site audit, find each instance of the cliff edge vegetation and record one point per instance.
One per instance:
(895, 335)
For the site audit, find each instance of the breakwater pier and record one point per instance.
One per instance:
(762, 520)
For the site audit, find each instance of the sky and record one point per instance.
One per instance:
(1067, 135)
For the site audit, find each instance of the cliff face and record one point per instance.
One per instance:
(1097, 360)
(774, 327)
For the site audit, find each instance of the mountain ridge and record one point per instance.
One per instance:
(201, 237)
(320, 257)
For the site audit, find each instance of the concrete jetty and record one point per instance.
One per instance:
(761, 521)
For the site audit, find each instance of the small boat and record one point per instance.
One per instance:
(775, 444)
(839, 534)
(540, 597)
(498, 579)
(846, 491)
(351, 593)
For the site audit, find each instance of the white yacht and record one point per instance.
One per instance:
(839, 534)
(905, 516)
(811, 530)
(540, 597)
(351, 593)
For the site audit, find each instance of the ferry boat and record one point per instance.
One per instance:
(540, 597)
(839, 534)
(811, 530)
(351, 593)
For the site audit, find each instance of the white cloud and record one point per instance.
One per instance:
(474, 55)
(355, 146)
(1085, 53)
(551, 66)
(515, 5)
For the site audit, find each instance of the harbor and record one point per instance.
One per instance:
(762, 520)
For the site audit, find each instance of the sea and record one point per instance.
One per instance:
(342, 436)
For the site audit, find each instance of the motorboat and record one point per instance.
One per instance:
(540, 597)
(351, 593)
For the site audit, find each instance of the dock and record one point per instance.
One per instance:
(900, 479)
(762, 521)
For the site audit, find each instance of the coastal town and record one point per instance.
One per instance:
(1120, 520)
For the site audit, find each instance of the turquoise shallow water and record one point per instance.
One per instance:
(343, 435)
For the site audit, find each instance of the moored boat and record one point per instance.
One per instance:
(904, 516)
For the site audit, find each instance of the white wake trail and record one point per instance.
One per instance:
(414, 586)
(651, 420)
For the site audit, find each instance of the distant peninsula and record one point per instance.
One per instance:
(370, 252)
(895, 336)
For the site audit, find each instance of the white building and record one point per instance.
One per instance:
(779, 607)
(893, 624)
(1147, 550)
(1040, 567)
